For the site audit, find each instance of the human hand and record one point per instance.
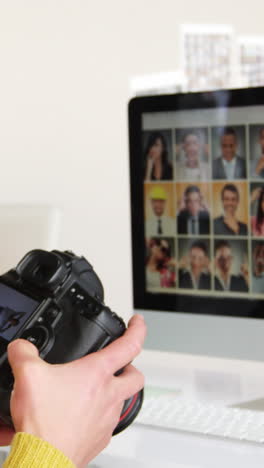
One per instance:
(177, 148)
(75, 406)
(207, 265)
(149, 168)
(260, 165)
(182, 203)
(204, 204)
(216, 265)
(206, 150)
(171, 263)
(255, 194)
(244, 271)
(153, 155)
(184, 262)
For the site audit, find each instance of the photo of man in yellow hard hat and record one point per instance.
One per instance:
(159, 210)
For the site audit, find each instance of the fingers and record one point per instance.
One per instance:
(130, 382)
(123, 350)
(19, 352)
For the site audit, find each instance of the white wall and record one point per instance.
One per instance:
(64, 86)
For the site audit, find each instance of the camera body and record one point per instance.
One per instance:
(55, 300)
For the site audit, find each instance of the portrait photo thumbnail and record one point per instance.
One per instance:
(231, 265)
(159, 204)
(230, 208)
(192, 154)
(160, 263)
(256, 151)
(257, 266)
(257, 209)
(194, 264)
(229, 152)
(193, 208)
(157, 155)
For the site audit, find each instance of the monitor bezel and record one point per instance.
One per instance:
(143, 300)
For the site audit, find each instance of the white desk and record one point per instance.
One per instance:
(140, 447)
(207, 379)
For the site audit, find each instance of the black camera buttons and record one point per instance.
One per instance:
(51, 316)
(75, 291)
(77, 296)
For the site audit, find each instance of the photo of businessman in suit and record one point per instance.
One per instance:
(229, 165)
(193, 216)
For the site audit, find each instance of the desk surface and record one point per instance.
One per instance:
(206, 379)
(142, 447)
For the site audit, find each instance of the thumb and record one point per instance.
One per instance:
(19, 352)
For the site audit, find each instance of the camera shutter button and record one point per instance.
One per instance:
(39, 336)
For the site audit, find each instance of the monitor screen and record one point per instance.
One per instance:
(197, 202)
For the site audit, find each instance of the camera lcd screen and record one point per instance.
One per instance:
(15, 309)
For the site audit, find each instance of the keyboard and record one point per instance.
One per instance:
(180, 414)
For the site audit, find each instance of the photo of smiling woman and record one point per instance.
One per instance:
(157, 155)
(257, 209)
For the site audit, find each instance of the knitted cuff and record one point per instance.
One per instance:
(28, 451)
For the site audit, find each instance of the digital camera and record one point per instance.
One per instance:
(55, 301)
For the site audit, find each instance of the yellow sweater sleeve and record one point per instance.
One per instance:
(28, 451)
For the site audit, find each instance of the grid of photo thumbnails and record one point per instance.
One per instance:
(204, 210)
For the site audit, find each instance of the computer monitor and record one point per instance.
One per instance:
(197, 214)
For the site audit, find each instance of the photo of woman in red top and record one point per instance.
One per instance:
(257, 221)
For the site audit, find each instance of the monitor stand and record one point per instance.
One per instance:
(226, 382)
